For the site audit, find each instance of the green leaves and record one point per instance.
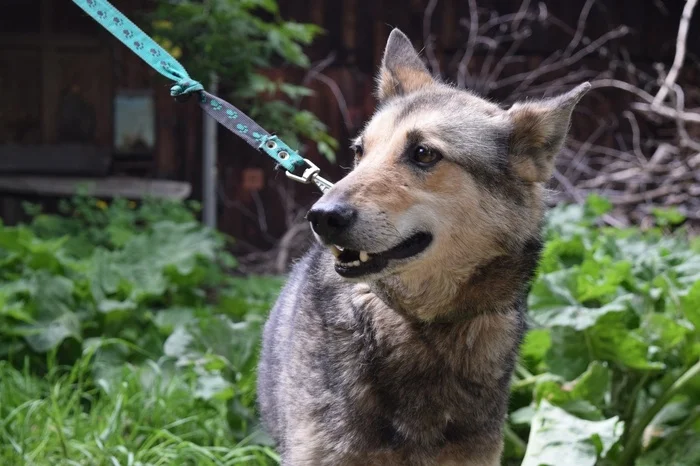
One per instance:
(684, 450)
(50, 293)
(569, 354)
(613, 341)
(558, 437)
(231, 39)
(148, 263)
(600, 278)
(40, 308)
(577, 316)
(690, 305)
(45, 335)
(616, 325)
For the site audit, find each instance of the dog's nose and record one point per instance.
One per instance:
(330, 221)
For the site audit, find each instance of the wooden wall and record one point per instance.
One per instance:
(48, 53)
(50, 49)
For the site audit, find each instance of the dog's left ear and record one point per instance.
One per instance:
(539, 131)
(402, 70)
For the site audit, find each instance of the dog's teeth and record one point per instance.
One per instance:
(355, 263)
(334, 250)
(364, 257)
(339, 248)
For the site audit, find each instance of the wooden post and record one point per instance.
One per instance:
(209, 148)
(48, 70)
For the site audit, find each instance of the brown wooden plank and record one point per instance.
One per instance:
(449, 20)
(48, 68)
(128, 187)
(35, 40)
(350, 30)
(166, 119)
(80, 89)
(21, 97)
(54, 159)
(364, 46)
(20, 16)
(381, 33)
(192, 166)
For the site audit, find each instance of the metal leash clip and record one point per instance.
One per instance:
(311, 175)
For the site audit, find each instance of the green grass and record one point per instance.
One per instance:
(146, 417)
(124, 340)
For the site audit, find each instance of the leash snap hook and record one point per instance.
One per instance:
(311, 175)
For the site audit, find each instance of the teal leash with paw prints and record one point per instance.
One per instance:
(226, 114)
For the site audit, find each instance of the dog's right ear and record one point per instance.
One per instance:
(402, 70)
(538, 133)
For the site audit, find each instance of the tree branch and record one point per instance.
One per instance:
(680, 53)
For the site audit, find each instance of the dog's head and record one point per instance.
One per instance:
(443, 180)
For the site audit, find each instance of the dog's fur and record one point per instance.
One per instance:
(412, 365)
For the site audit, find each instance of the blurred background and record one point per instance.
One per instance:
(78, 107)
(130, 328)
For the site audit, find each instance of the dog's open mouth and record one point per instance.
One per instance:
(350, 263)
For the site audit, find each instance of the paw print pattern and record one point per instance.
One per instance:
(154, 53)
(101, 14)
(215, 104)
(118, 21)
(128, 34)
(242, 128)
(257, 136)
(138, 45)
(91, 3)
(231, 114)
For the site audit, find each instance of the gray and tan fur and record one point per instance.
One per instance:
(410, 362)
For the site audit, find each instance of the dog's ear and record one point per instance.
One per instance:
(539, 131)
(402, 70)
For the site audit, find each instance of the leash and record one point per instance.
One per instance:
(228, 115)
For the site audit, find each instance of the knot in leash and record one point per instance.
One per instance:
(184, 85)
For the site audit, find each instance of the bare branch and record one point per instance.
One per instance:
(463, 70)
(520, 15)
(315, 73)
(428, 38)
(680, 53)
(636, 137)
(568, 61)
(690, 117)
(580, 27)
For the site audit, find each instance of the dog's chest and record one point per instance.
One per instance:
(419, 385)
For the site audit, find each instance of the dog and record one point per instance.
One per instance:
(394, 339)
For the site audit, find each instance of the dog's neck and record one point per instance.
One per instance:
(495, 286)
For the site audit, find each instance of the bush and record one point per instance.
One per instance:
(87, 223)
(238, 40)
(609, 371)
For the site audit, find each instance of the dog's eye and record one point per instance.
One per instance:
(425, 157)
(359, 151)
